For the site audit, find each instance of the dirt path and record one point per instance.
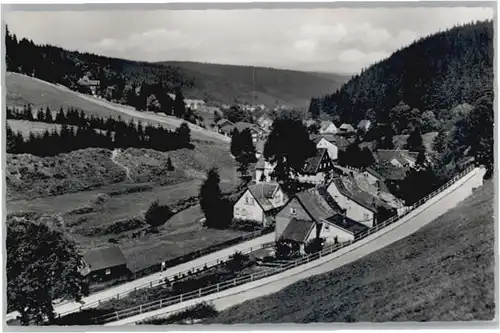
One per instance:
(114, 155)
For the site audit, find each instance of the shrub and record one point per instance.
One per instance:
(314, 245)
(157, 215)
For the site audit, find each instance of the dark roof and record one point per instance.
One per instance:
(374, 173)
(359, 196)
(346, 223)
(104, 258)
(312, 163)
(341, 142)
(241, 125)
(316, 205)
(263, 192)
(297, 230)
(402, 156)
(223, 121)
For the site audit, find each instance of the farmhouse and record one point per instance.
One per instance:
(104, 263)
(90, 84)
(364, 125)
(194, 104)
(316, 168)
(322, 142)
(311, 214)
(224, 126)
(398, 158)
(263, 170)
(358, 205)
(257, 132)
(259, 202)
(346, 129)
(327, 127)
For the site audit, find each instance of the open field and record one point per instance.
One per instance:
(22, 90)
(443, 272)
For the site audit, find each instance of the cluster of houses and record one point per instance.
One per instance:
(342, 201)
(226, 128)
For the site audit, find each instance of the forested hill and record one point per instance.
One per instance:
(211, 82)
(434, 73)
(241, 84)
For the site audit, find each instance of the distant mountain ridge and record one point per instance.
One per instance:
(235, 84)
(436, 72)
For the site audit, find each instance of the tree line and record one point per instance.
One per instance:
(79, 131)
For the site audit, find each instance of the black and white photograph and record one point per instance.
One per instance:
(209, 165)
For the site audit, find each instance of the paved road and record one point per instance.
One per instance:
(399, 230)
(122, 289)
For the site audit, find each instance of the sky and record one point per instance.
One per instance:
(336, 40)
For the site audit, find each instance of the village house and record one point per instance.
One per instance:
(257, 132)
(327, 127)
(224, 126)
(263, 170)
(259, 148)
(358, 205)
(259, 203)
(322, 141)
(364, 125)
(346, 130)
(104, 263)
(396, 157)
(93, 85)
(317, 168)
(265, 123)
(312, 214)
(194, 104)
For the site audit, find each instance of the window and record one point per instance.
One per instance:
(249, 200)
(108, 271)
(327, 227)
(366, 216)
(293, 211)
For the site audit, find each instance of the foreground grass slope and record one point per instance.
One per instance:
(444, 272)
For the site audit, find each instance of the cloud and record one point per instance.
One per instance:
(333, 40)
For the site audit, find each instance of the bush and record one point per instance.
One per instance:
(157, 215)
(314, 245)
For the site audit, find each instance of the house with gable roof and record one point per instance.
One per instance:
(327, 127)
(317, 168)
(225, 127)
(259, 203)
(346, 130)
(396, 157)
(104, 263)
(312, 214)
(322, 141)
(358, 204)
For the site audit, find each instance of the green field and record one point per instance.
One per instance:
(22, 90)
(444, 272)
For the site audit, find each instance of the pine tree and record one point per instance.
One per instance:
(60, 117)
(179, 105)
(48, 115)
(170, 166)
(212, 203)
(40, 116)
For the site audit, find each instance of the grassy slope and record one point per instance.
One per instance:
(30, 177)
(443, 272)
(22, 90)
(227, 82)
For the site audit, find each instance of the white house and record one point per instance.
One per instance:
(85, 81)
(364, 125)
(396, 157)
(263, 170)
(316, 168)
(327, 127)
(313, 214)
(346, 129)
(259, 202)
(357, 204)
(322, 142)
(194, 104)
